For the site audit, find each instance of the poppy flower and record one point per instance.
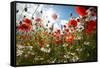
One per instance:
(28, 21)
(54, 33)
(78, 20)
(81, 10)
(54, 16)
(38, 19)
(57, 34)
(93, 14)
(67, 30)
(69, 38)
(72, 22)
(25, 27)
(58, 31)
(90, 26)
(41, 43)
(64, 26)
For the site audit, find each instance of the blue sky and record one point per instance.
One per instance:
(64, 11)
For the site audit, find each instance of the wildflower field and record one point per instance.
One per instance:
(47, 34)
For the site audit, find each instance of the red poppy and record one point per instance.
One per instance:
(57, 34)
(25, 27)
(28, 21)
(78, 20)
(54, 16)
(67, 30)
(58, 31)
(69, 38)
(64, 26)
(81, 10)
(54, 34)
(94, 14)
(38, 19)
(90, 26)
(72, 22)
(41, 43)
